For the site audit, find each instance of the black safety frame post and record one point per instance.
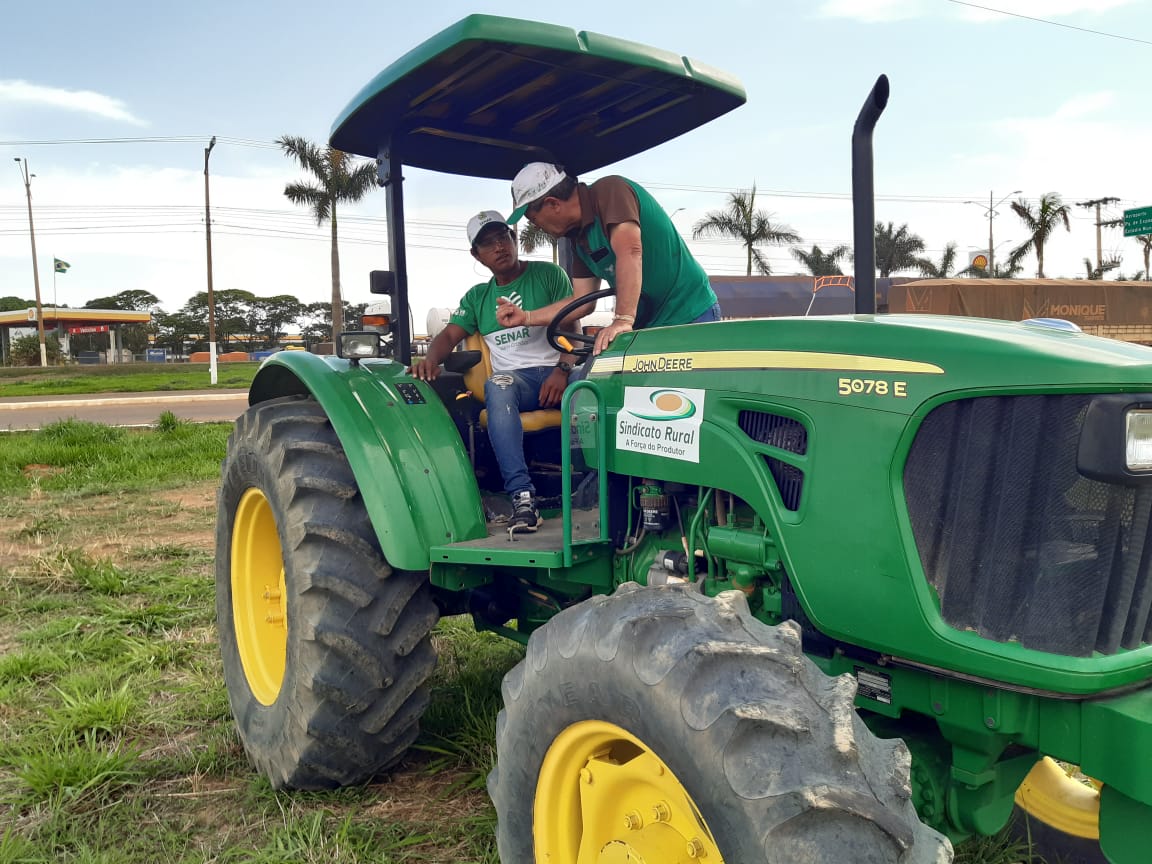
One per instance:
(864, 199)
(390, 171)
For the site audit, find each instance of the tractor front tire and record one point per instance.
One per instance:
(326, 648)
(660, 726)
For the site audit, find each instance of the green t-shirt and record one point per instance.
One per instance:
(540, 284)
(675, 288)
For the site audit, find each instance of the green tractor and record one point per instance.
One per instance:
(829, 589)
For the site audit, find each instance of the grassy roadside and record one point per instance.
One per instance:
(116, 741)
(129, 378)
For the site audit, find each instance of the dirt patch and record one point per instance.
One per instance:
(113, 527)
(41, 470)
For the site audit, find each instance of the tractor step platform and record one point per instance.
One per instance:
(541, 548)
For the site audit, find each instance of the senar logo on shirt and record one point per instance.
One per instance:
(661, 421)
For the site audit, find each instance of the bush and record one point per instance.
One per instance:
(26, 349)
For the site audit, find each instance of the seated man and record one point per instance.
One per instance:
(526, 372)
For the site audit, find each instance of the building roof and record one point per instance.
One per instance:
(79, 317)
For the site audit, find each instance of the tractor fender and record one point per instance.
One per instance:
(418, 486)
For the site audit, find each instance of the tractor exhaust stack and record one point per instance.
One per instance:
(863, 197)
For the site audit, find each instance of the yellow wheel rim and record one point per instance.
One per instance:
(1056, 798)
(259, 610)
(605, 798)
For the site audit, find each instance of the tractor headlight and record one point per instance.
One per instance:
(1138, 440)
(356, 345)
(1116, 439)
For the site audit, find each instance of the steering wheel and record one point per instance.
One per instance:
(568, 341)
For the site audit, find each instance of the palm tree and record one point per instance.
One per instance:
(821, 263)
(742, 221)
(931, 270)
(1050, 211)
(1146, 241)
(1097, 273)
(533, 238)
(896, 248)
(340, 178)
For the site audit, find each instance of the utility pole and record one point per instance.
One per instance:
(35, 269)
(211, 299)
(1097, 202)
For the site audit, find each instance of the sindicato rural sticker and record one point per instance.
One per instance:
(661, 421)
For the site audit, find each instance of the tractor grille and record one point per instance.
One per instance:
(1019, 546)
(776, 431)
(784, 433)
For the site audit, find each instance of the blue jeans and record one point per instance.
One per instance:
(506, 394)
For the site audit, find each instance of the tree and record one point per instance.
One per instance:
(315, 322)
(896, 248)
(821, 263)
(1049, 213)
(1144, 240)
(276, 313)
(134, 300)
(13, 304)
(340, 178)
(134, 337)
(931, 270)
(742, 221)
(1097, 273)
(181, 331)
(533, 238)
(233, 313)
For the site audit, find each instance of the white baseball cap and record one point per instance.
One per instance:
(481, 221)
(533, 181)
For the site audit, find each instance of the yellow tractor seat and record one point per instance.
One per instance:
(474, 378)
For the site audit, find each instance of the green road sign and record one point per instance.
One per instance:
(1138, 221)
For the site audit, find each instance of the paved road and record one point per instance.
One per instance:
(122, 409)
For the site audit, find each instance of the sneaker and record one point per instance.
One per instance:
(525, 516)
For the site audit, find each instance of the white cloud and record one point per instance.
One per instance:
(84, 101)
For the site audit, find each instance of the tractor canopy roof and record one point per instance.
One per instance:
(489, 94)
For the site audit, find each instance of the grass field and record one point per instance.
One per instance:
(116, 742)
(129, 378)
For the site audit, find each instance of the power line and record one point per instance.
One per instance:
(1053, 23)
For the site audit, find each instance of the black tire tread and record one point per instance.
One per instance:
(360, 631)
(790, 773)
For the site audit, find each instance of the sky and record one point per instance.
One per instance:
(112, 104)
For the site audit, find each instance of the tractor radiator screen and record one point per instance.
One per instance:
(1018, 545)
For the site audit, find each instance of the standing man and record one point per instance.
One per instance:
(620, 234)
(527, 373)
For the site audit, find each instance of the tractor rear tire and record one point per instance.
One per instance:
(660, 725)
(326, 648)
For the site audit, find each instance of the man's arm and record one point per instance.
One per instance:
(628, 247)
(427, 368)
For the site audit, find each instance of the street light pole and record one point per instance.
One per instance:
(211, 299)
(991, 215)
(27, 178)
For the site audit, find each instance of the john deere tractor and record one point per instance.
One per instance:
(832, 589)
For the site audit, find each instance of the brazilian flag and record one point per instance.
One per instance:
(60, 266)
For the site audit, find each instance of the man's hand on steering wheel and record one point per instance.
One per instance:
(569, 341)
